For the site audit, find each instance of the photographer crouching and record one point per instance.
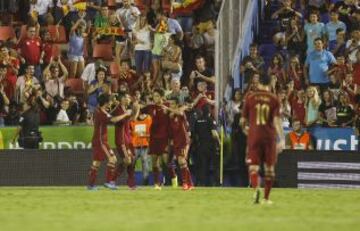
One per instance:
(28, 133)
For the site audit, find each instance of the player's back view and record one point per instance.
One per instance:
(261, 121)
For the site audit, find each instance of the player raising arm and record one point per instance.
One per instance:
(100, 146)
(261, 122)
(180, 139)
(123, 139)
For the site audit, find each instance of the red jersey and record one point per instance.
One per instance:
(122, 128)
(356, 73)
(100, 135)
(179, 131)
(129, 78)
(47, 48)
(160, 122)
(31, 50)
(260, 109)
(298, 109)
(202, 102)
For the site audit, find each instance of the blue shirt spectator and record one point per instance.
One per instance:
(313, 30)
(318, 62)
(333, 25)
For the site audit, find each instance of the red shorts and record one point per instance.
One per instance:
(99, 152)
(183, 151)
(158, 146)
(261, 151)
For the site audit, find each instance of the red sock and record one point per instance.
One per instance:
(131, 175)
(254, 179)
(156, 174)
(268, 185)
(184, 175)
(110, 173)
(188, 177)
(92, 176)
(171, 169)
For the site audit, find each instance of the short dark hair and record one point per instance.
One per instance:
(2, 66)
(265, 80)
(103, 99)
(199, 57)
(159, 91)
(318, 39)
(339, 30)
(175, 99)
(121, 95)
(253, 45)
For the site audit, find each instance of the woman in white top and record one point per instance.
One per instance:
(233, 107)
(142, 42)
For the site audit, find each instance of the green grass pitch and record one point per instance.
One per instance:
(74, 208)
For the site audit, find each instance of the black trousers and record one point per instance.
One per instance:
(207, 165)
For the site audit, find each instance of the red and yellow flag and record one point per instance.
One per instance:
(80, 5)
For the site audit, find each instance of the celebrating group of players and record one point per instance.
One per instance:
(260, 121)
(169, 127)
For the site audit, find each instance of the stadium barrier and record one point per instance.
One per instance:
(70, 167)
(318, 169)
(79, 137)
(47, 168)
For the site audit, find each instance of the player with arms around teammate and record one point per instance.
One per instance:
(159, 137)
(101, 148)
(180, 139)
(261, 121)
(123, 138)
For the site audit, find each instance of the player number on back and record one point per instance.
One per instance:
(262, 113)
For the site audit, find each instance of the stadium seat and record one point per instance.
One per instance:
(6, 33)
(55, 50)
(62, 33)
(75, 86)
(103, 51)
(23, 32)
(114, 69)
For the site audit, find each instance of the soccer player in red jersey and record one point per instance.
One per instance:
(159, 136)
(180, 139)
(123, 138)
(261, 121)
(101, 148)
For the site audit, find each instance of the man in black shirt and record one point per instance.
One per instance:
(202, 73)
(251, 64)
(28, 130)
(206, 149)
(285, 13)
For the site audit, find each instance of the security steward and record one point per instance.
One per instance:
(298, 139)
(207, 142)
(28, 130)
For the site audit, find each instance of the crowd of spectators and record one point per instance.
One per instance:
(67, 52)
(310, 50)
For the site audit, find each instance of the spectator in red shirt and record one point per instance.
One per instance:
(203, 97)
(30, 50)
(298, 106)
(356, 71)
(47, 46)
(12, 65)
(295, 73)
(276, 68)
(128, 75)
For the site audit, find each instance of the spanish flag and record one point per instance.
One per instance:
(80, 5)
(163, 27)
(187, 5)
(34, 14)
(65, 9)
